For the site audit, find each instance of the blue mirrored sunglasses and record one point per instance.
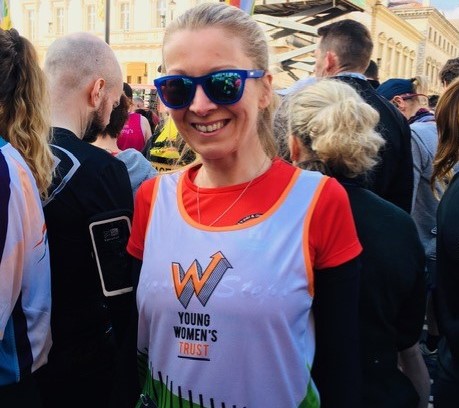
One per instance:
(221, 87)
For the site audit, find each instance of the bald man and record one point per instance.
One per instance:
(89, 184)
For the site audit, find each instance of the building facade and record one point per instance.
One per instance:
(410, 38)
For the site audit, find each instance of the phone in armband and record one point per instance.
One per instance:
(109, 237)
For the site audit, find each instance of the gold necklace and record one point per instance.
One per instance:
(234, 202)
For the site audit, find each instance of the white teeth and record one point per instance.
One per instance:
(210, 128)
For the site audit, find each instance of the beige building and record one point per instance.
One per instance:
(410, 39)
(440, 40)
(134, 32)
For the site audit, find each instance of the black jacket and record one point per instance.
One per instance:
(392, 178)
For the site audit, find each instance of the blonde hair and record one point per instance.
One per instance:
(239, 24)
(337, 126)
(24, 106)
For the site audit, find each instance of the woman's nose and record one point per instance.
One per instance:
(201, 104)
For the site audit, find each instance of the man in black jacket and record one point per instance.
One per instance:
(89, 185)
(344, 52)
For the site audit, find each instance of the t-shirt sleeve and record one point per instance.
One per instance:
(333, 237)
(142, 205)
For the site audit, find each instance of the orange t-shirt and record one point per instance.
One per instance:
(332, 236)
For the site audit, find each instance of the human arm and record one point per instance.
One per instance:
(24, 252)
(414, 367)
(417, 164)
(146, 128)
(143, 200)
(336, 369)
(411, 314)
(335, 246)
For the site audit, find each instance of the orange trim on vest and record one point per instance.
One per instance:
(307, 223)
(154, 194)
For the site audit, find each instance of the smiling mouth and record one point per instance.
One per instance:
(210, 128)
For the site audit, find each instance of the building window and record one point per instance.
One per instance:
(91, 17)
(31, 24)
(162, 12)
(125, 16)
(59, 18)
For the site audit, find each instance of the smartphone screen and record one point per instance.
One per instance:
(109, 239)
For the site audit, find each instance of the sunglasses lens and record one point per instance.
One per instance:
(177, 91)
(225, 87)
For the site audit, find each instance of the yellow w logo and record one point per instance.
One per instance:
(194, 280)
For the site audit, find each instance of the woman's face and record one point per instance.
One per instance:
(215, 131)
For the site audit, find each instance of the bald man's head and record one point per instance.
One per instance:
(85, 82)
(76, 59)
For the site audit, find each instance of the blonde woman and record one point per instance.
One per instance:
(25, 174)
(243, 258)
(331, 129)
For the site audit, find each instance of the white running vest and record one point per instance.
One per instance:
(224, 312)
(25, 275)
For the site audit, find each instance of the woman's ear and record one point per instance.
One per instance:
(294, 148)
(267, 91)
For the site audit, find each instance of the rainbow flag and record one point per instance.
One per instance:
(5, 18)
(246, 5)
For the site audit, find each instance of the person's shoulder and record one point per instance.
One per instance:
(333, 196)
(146, 188)
(129, 153)
(69, 148)
(99, 157)
(424, 127)
(134, 159)
(369, 94)
(452, 190)
(354, 81)
(143, 118)
(12, 162)
(98, 164)
(372, 204)
(280, 164)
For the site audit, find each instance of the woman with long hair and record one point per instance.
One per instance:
(25, 174)
(446, 297)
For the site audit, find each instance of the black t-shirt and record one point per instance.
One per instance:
(87, 182)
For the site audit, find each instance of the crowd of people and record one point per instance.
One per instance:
(289, 257)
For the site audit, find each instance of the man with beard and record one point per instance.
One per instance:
(89, 184)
